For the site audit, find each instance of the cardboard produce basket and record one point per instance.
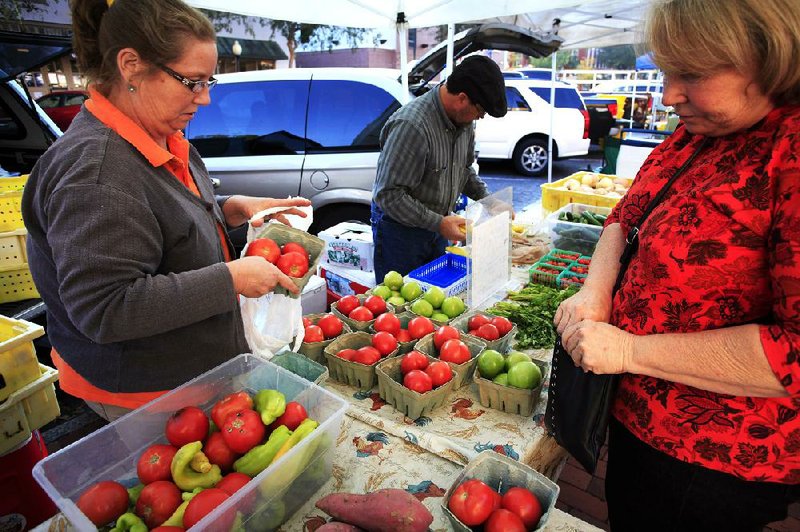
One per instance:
(282, 234)
(111, 453)
(315, 350)
(357, 325)
(352, 373)
(412, 404)
(465, 370)
(501, 344)
(509, 399)
(302, 366)
(502, 473)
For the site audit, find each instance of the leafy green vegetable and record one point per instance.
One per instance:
(532, 309)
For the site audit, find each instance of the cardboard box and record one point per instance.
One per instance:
(342, 281)
(348, 245)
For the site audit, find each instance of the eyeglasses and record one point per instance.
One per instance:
(194, 86)
(477, 106)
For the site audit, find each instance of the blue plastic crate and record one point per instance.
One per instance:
(448, 272)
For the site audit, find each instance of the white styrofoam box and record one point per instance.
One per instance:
(339, 279)
(348, 244)
(314, 299)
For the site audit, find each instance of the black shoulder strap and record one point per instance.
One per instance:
(632, 239)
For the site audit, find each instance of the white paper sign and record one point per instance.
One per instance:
(490, 262)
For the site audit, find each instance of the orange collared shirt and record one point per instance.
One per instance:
(175, 159)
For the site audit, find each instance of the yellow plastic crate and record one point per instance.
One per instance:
(13, 255)
(11, 184)
(555, 196)
(28, 409)
(11, 211)
(16, 285)
(18, 363)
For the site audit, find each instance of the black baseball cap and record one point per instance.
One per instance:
(480, 78)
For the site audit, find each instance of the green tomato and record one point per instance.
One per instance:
(515, 357)
(435, 296)
(490, 363)
(393, 280)
(501, 379)
(411, 291)
(438, 316)
(382, 291)
(422, 307)
(396, 301)
(453, 306)
(524, 375)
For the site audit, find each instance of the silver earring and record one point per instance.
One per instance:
(131, 88)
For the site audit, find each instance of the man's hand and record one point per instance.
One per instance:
(454, 228)
(255, 276)
(239, 209)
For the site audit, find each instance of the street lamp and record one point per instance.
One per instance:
(237, 51)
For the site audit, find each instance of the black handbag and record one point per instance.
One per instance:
(578, 402)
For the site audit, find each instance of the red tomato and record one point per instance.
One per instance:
(243, 430)
(187, 425)
(293, 264)
(155, 462)
(347, 354)
(314, 334)
(375, 304)
(439, 372)
(524, 504)
(503, 325)
(504, 521)
(228, 405)
(417, 380)
(157, 502)
(413, 360)
(347, 304)
(387, 322)
(264, 247)
(306, 322)
(294, 246)
(361, 314)
(367, 355)
(104, 502)
(454, 351)
(444, 333)
(473, 332)
(292, 417)
(218, 451)
(472, 502)
(232, 482)
(402, 335)
(488, 332)
(419, 327)
(203, 504)
(331, 326)
(477, 320)
(168, 529)
(384, 342)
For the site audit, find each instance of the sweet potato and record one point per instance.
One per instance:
(386, 510)
(335, 526)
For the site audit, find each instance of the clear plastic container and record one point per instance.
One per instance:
(272, 497)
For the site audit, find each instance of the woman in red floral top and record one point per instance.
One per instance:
(706, 324)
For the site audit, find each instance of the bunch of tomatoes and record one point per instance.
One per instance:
(475, 503)
(326, 327)
(489, 328)
(421, 375)
(292, 259)
(353, 308)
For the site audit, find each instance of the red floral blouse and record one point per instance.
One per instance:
(722, 249)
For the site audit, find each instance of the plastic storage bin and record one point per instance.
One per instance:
(555, 196)
(30, 407)
(501, 473)
(11, 211)
(13, 255)
(276, 493)
(13, 184)
(574, 236)
(448, 272)
(16, 285)
(18, 363)
(314, 298)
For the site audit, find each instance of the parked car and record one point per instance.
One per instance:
(315, 132)
(522, 135)
(62, 106)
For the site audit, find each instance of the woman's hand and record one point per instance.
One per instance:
(255, 276)
(587, 304)
(239, 209)
(598, 347)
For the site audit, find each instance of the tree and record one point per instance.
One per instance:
(564, 59)
(12, 10)
(323, 37)
(223, 21)
(621, 57)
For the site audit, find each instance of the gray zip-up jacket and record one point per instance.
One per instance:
(129, 263)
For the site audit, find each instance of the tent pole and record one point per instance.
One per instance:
(402, 32)
(552, 115)
(448, 69)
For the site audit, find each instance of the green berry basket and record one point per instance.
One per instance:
(314, 350)
(508, 399)
(283, 234)
(502, 473)
(501, 344)
(302, 366)
(547, 278)
(357, 325)
(402, 347)
(352, 373)
(465, 370)
(412, 404)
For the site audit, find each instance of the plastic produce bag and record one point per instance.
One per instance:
(270, 323)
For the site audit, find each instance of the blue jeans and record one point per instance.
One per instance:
(402, 248)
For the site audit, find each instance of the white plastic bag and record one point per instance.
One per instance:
(270, 323)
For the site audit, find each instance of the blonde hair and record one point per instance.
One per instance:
(760, 37)
(156, 29)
